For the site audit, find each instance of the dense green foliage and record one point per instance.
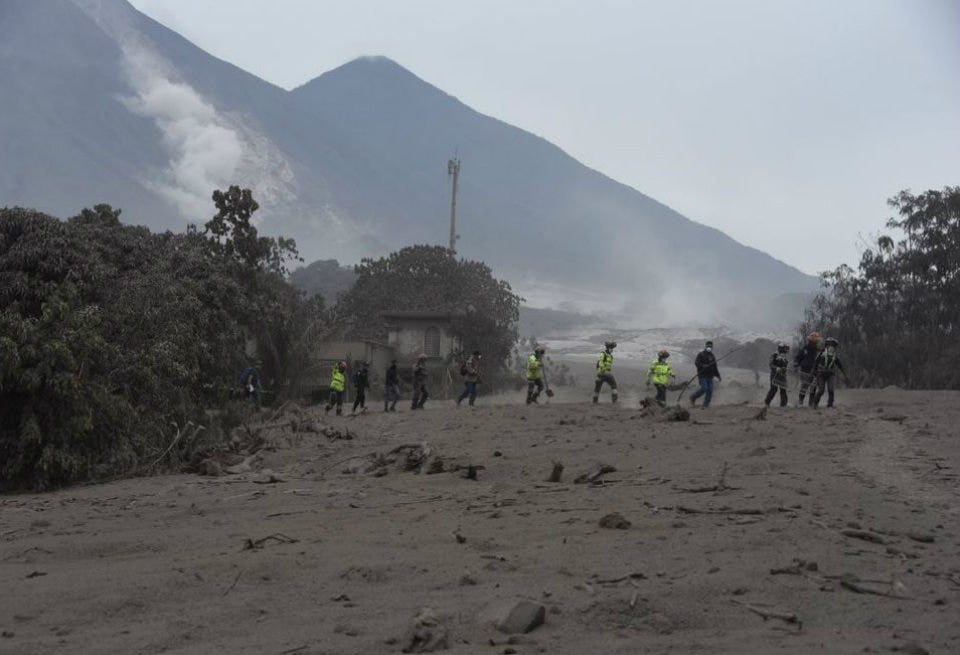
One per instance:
(431, 278)
(111, 336)
(897, 316)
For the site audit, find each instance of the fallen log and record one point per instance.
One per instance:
(768, 613)
(865, 535)
(595, 475)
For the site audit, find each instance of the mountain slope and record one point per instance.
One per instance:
(110, 106)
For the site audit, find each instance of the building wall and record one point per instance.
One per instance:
(408, 336)
(352, 351)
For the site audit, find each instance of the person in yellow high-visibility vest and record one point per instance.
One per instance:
(660, 375)
(535, 375)
(338, 385)
(605, 372)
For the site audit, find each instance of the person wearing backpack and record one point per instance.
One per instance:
(391, 388)
(470, 370)
(420, 393)
(361, 382)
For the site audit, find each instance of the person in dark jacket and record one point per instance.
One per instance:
(827, 364)
(706, 364)
(778, 375)
(471, 378)
(391, 388)
(420, 393)
(249, 383)
(361, 382)
(805, 360)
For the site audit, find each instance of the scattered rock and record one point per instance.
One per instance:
(756, 452)
(911, 648)
(525, 616)
(210, 467)
(267, 476)
(614, 521)
(426, 633)
(467, 580)
(309, 426)
(922, 537)
(334, 434)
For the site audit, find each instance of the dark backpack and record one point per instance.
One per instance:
(463, 369)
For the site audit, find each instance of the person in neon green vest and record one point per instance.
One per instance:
(535, 375)
(605, 373)
(660, 375)
(338, 385)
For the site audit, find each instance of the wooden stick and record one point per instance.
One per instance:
(765, 613)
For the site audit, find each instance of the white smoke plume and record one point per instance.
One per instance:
(205, 152)
(207, 149)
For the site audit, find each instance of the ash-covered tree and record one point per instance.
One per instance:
(897, 315)
(271, 307)
(110, 335)
(431, 278)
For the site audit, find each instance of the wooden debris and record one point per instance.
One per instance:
(557, 473)
(768, 613)
(865, 535)
(235, 581)
(856, 585)
(279, 537)
(593, 476)
(745, 511)
(622, 578)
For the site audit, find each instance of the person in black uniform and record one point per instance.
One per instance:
(391, 388)
(361, 382)
(778, 375)
(706, 364)
(805, 360)
(420, 393)
(827, 364)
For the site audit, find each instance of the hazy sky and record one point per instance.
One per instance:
(786, 124)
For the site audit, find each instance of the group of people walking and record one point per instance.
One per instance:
(391, 385)
(817, 364)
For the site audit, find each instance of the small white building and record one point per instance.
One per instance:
(413, 332)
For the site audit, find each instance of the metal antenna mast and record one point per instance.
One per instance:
(453, 170)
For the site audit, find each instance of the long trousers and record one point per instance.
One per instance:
(469, 391)
(661, 393)
(420, 395)
(808, 384)
(824, 382)
(391, 394)
(705, 390)
(361, 399)
(534, 387)
(336, 400)
(601, 379)
(773, 392)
